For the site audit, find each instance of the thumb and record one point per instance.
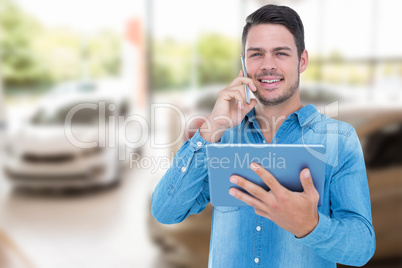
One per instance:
(249, 106)
(240, 73)
(307, 182)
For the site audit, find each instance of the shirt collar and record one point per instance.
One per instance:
(250, 116)
(304, 115)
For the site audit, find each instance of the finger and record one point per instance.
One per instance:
(307, 183)
(246, 198)
(241, 80)
(235, 95)
(248, 81)
(263, 213)
(268, 178)
(249, 186)
(249, 106)
(240, 89)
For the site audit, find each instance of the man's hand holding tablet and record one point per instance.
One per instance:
(285, 186)
(293, 211)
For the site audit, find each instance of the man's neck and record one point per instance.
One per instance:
(270, 118)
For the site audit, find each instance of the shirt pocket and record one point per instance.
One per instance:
(226, 209)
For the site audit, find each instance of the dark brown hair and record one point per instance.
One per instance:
(273, 14)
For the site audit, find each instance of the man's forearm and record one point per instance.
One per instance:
(211, 131)
(183, 190)
(348, 241)
(345, 234)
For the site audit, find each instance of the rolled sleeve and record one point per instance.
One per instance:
(184, 188)
(319, 233)
(346, 236)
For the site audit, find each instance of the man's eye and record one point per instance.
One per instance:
(255, 55)
(281, 54)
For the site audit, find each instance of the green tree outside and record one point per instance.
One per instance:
(33, 56)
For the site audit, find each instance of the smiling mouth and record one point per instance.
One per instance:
(270, 81)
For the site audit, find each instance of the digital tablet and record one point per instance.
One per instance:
(284, 162)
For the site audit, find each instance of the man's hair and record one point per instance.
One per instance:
(273, 14)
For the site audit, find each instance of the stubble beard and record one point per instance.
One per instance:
(289, 92)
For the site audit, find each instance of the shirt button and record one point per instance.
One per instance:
(258, 228)
(183, 169)
(199, 144)
(264, 141)
(256, 260)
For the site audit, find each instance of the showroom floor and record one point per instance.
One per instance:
(106, 228)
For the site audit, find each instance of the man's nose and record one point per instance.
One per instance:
(268, 63)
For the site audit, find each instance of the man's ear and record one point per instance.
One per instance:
(303, 61)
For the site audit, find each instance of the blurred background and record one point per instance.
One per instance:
(97, 96)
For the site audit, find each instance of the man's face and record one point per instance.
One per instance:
(273, 64)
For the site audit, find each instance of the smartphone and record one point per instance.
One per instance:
(245, 75)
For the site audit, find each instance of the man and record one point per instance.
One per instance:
(280, 228)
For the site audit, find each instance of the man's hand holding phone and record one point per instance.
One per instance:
(230, 109)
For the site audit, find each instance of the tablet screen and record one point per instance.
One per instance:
(283, 161)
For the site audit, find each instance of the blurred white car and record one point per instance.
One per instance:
(71, 140)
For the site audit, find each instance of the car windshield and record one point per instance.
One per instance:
(82, 116)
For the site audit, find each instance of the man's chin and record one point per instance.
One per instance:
(270, 101)
(275, 100)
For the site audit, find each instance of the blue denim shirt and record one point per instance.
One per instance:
(240, 238)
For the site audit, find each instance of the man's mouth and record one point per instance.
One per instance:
(270, 81)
